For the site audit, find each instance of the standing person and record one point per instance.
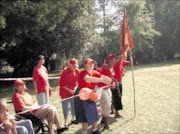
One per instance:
(23, 101)
(113, 68)
(68, 84)
(9, 125)
(86, 111)
(40, 81)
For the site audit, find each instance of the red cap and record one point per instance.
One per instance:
(73, 62)
(88, 61)
(110, 56)
(18, 82)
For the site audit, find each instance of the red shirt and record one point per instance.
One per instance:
(40, 76)
(107, 72)
(68, 79)
(82, 83)
(119, 70)
(98, 69)
(21, 100)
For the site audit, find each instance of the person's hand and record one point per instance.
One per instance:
(107, 80)
(7, 125)
(71, 92)
(113, 85)
(13, 122)
(10, 126)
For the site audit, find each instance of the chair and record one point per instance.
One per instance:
(38, 124)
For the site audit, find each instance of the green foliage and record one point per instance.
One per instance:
(167, 22)
(30, 28)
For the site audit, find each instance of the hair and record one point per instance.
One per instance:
(40, 57)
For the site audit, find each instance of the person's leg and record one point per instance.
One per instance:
(72, 109)
(65, 105)
(21, 130)
(41, 98)
(117, 115)
(94, 129)
(46, 112)
(27, 124)
(105, 102)
(84, 128)
(46, 99)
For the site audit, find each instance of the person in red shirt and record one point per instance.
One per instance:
(68, 84)
(113, 68)
(86, 111)
(40, 81)
(23, 101)
(96, 68)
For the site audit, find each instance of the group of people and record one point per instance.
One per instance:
(105, 81)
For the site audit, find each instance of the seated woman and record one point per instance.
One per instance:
(8, 125)
(23, 101)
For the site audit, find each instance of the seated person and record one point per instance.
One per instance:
(8, 125)
(23, 101)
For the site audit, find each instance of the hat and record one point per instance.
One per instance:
(73, 62)
(18, 82)
(88, 61)
(110, 56)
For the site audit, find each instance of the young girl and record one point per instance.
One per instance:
(8, 125)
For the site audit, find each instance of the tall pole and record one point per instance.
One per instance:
(132, 68)
(133, 80)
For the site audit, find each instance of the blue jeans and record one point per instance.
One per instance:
(24, 127)
(65, 106)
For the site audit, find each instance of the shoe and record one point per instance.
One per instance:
(66, 126)
(74, 122)
(118, 116)
(61, 130)
(96, 132)
(102, 120)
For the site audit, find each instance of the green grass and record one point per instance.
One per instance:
(157, 101)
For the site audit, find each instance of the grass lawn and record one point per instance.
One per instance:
(157, 101)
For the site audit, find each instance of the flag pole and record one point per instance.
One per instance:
(132, 68)
(133, 80)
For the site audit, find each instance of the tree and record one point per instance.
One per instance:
(167, 22)
(45, 27)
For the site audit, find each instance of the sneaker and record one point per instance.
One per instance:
(96, 132)
(74, 122)
(61, 130)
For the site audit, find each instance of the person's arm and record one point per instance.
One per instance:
(35, 78)
(126, 63)
(10, 126)
(35, 86)
(69, 90)
(90, 79)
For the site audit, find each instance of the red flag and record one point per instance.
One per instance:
(126, 41)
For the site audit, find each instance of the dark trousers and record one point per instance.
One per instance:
(117, 97)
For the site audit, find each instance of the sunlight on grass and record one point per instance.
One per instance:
(157, 101)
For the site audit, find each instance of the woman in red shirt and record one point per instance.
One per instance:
(67, 84)
(40, 81)
(86, 111)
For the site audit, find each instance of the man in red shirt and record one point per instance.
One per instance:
(23, 101)
(40, 81)
(68, 84)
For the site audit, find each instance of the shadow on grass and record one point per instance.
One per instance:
(101, 126)
(154, 65)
